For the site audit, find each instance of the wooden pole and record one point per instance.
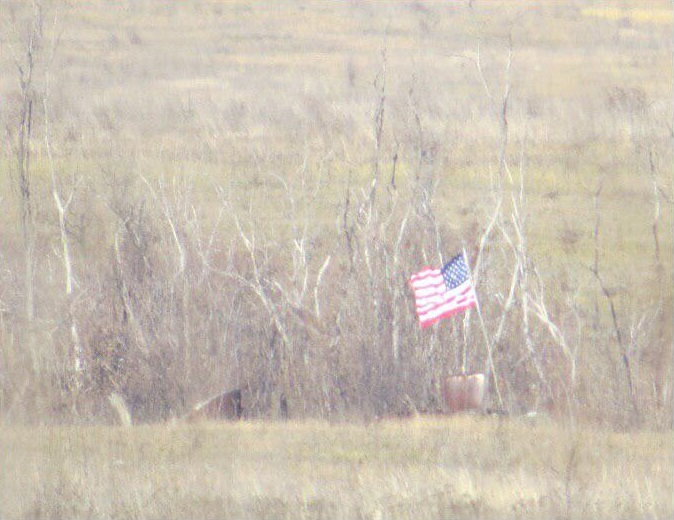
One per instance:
(490, 360)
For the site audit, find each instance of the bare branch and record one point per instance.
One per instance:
(319, 277)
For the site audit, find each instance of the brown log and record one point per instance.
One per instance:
(221, 407)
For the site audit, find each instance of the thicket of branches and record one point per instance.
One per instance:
(164, 289)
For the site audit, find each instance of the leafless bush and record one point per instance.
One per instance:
(161, 247)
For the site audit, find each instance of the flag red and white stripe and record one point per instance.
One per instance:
(439, 293)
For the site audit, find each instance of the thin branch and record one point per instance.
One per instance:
(319, 277)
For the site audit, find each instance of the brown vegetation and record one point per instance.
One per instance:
(205, 194)
(426, 468)
(220, 407)
(216, 193)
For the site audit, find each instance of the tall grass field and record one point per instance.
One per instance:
(460, 467)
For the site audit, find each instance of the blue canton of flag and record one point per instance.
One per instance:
(455, 272)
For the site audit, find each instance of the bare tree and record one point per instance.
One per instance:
(62, 208)
(286, 280)
(25, 65)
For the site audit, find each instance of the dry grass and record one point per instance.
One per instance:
(656, 15)
(222, 87)
(233, 94)
(460, 467)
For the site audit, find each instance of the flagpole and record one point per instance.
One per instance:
(490, 360)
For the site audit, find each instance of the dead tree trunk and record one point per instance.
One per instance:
(26, 68)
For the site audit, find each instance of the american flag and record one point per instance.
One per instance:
(439, 293)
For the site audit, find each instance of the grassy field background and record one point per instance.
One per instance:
(212, 90)
(215, 90)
